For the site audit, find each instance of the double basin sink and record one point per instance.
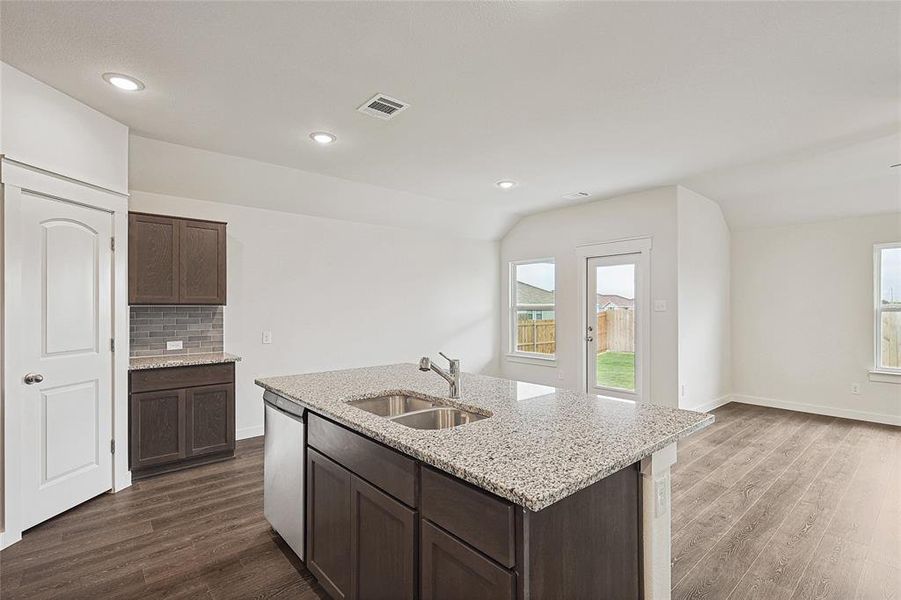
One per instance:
(417, 413)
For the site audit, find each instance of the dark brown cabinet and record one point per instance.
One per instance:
(451, 570)
(180, 417)
(382, 525)
(361, 543)
(173, 260)
(382, 545)
(328, 520)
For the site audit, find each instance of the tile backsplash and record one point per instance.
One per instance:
(199, 328)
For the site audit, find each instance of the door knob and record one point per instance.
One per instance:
(33, 378)
(588, 338)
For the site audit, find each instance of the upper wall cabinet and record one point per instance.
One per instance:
(175, 261)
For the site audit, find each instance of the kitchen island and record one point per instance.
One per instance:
(549, 494)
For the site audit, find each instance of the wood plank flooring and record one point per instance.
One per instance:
(194, 534)
(767, 504)
(771, 504)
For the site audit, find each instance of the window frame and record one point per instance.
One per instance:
(879, 309)
(513, 309)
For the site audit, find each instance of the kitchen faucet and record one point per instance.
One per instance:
(452, 376)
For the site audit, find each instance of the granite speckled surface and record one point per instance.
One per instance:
(138, 363)
(539, 446)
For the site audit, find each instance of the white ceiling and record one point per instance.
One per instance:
(764, 107)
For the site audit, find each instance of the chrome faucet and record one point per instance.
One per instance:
(452, 376)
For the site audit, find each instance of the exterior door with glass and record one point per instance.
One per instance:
(614, 351)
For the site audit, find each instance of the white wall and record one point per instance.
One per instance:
(338, 294)
(802, 317)
(177, 170)
(704, 304)
(45, 128)
(557, 234)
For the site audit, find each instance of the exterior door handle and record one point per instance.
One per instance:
(32, 378)
(588, 338)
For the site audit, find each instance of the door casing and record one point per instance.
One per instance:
(15, 178)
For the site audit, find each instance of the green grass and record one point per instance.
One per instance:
(617, 370)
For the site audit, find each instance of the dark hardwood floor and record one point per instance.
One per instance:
(767, 504)
(198, 533)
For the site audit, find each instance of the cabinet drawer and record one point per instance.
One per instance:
(384, 468)
(451, 570)
(478, 518)
(181, 377)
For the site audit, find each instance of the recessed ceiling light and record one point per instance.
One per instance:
(123, 82)
(506, 184)
(323, 137)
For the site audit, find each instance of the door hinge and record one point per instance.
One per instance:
(112, 244)
(112, 344)
(112, 446)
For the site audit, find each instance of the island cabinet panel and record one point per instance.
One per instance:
(451, 570)
(383, 545)
(387, 469)
(173, 260)
(482, 520)
(596, 533)
(180, 417)
(329, 525)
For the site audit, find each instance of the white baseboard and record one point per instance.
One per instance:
(818, 409)
(248, 432)
(708, 406)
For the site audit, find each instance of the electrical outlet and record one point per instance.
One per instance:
(176, 345)
(659, 305)
(267, 337)
(683, 390)
(661, 496)
(855, 388)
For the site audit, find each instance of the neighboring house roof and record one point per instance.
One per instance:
(530, 294)
(605, 300)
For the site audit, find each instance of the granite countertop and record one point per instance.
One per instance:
(138, 363)
(539, 446)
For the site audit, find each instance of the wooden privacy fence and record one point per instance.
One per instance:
(615, 332)
(891, 339)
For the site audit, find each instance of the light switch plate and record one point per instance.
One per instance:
(659, 305)
(267, 337)
(176, 345)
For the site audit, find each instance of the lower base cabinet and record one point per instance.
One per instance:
(362, 542)
(180, 417)
(451, 570)
(383, 527)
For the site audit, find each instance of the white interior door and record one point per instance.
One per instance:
(614, 323)
(65, 390)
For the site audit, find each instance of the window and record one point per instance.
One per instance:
(888, 307)
(533, 327)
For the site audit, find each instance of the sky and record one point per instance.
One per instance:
(616, 279)
(891, 274)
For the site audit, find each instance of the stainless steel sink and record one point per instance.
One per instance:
(392, 406)
(438, 418)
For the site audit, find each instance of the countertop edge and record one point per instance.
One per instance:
(183, 360)
(534, 504)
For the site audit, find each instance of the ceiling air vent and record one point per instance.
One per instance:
(383, 107)
(576, 196)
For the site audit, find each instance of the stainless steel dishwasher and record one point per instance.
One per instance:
(283, 469)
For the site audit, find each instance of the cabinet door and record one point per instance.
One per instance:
(328, 523)
(451, 570)
(210, 419)
(383, 545)
(202, 262)
(153, 259)
(157, 428)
